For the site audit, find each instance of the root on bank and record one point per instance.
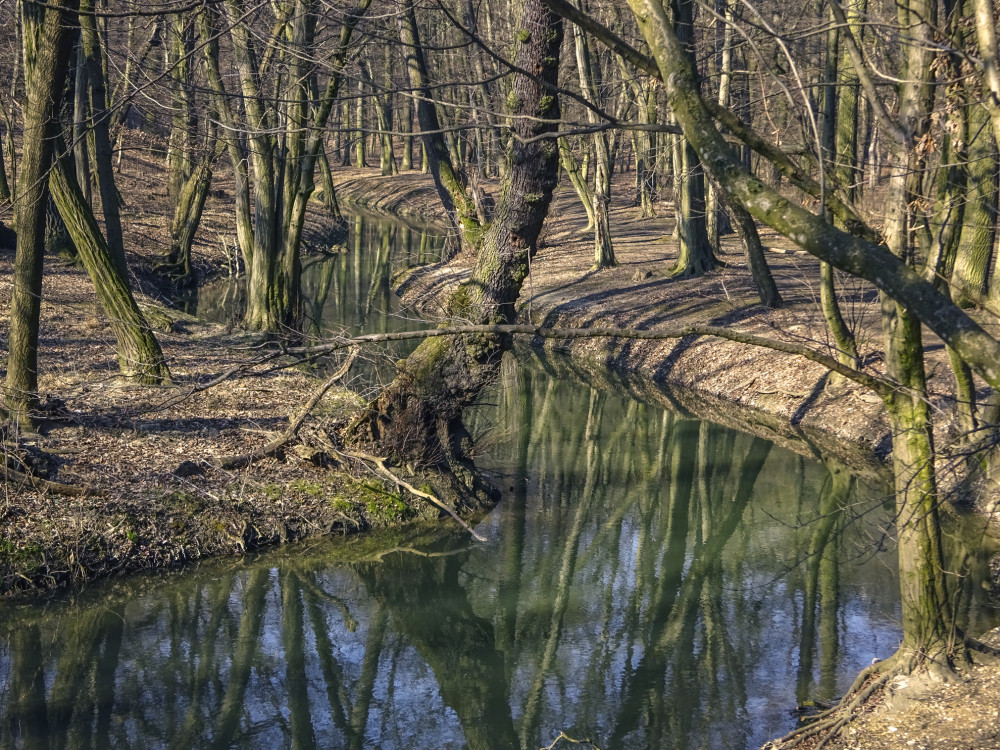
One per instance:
(824, 727)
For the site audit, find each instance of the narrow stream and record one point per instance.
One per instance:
(649, 581)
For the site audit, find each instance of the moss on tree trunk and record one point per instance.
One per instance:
(418, 416)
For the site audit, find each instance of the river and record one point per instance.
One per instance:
(649, 581)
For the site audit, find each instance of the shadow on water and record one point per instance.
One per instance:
(650, 580)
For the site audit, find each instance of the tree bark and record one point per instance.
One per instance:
(47, 47)
(139, 354)
(100, 129)
(449, 179)
(418, 416)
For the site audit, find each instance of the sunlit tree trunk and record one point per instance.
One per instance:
(695, 255)
(835, 138)
(578, 179)
(978, 229)
(418, 416)
(449, 178)
(139, 354)
(47, 47)
(590, 85)
(928, 628)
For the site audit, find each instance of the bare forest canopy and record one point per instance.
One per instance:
(863, 131)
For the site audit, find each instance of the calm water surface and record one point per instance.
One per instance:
(649, 581)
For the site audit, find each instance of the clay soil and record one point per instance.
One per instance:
(131, 449)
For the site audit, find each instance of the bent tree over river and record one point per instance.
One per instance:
(649, 580)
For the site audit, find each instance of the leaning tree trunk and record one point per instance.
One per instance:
(417, 417)
(139, 354)
(47, 47)
(577, 179)
(190, 206)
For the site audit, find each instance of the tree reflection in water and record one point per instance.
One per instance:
(651, 581)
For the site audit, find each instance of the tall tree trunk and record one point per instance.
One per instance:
(928, 628)
(843, 336)
(47, 46)
(81, 155)
(418, 416)
(360, 160)
(406, 125)
(978, 231)
(695, 255)
(5, 193)
(590, 85)
(90, 43)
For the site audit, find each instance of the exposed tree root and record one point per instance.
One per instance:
(827, 725)
(400, 482)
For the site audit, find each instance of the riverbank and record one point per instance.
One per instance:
(760, 391)
(125, 478)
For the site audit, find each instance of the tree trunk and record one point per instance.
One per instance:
(576, 178)
(753, 251)
(590, 85)
(139, 354)
(418, 416)
(187, 218)
(928, 628)
(99, 126)
(977, 235)
(449, 179)
(47, 47)
(834, 123)
(81, 156)
(406, 125)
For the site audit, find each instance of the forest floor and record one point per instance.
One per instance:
(140, 452)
